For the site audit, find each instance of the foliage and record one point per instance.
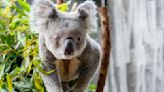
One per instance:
(62, 7)
(19, 61)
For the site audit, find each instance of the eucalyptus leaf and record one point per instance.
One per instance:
(24, 5)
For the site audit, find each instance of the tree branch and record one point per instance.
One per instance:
(105, 48)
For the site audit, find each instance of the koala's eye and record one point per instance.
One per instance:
(78, 38)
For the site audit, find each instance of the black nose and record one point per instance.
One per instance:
(68, 46)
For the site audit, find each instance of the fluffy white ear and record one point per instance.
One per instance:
(41, 11)
(87, 11)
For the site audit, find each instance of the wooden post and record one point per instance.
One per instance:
(59, 1)
(105, 48)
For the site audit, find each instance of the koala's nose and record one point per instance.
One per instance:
(68, 46)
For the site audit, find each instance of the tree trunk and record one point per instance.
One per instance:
(105, 48)
(137, 55)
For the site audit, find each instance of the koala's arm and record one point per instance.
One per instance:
(90, 62)
(51, 81)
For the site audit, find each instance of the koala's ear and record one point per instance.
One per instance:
(41, 11)
(82, 14)
(87, 12)
(53, 14)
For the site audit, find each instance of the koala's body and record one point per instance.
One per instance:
(65, 46)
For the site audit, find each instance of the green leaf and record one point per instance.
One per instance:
(9, 82)
(18, 10)
(29, 67)
(16, 71)
(6, 11)
(2, 26)
(92, 87)
(2, 68)
(45, 72)
(38, 85)
(1, 82)
(22, 85)
(62, 7)
(24, 5)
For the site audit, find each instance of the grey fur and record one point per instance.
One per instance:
(53, 28)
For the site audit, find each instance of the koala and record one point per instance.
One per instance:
(65, 45)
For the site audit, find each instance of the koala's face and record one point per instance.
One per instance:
(64, 33)
(66, 37)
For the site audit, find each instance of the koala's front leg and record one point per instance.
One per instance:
(51, 81)
(90, 61)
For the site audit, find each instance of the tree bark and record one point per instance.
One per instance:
(105, 48)
(137, 54)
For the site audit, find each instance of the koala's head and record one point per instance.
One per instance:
(65, 33)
